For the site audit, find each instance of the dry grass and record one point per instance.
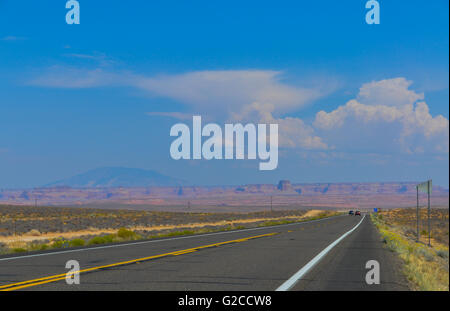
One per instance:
(406, 220)
(172, 224)
(427, 268)
(20, 220)
(35, 235)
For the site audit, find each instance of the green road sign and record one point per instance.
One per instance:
(423, 187)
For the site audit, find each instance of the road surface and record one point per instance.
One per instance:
(285, 257)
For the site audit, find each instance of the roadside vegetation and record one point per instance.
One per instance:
(427, 268)
(37, 241)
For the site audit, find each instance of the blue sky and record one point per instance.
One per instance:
(354, 102)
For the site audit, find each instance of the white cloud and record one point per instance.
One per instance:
(293, 132)
(385, 115)
(356, 110)
(242, 96)
(223, 93)
(389, 92)
(397, 120)
(226, 93)
(420, 120)
(210, 91)
(175, 115)
(77, 78)
(13, 38)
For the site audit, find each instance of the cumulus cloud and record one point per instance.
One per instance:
(355, 110)
(175, 115)
(386, 115)
(388, 92)
(242, 96)
(293, 132)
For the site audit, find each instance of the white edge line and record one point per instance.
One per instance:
(300, 273)
(162, 240)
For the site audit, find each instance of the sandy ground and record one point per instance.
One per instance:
(93, 231)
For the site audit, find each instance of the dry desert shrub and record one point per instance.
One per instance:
(425, 267)
(34, 232)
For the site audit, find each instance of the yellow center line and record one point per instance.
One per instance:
(58, 277)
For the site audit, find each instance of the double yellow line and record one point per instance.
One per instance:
(59, 277)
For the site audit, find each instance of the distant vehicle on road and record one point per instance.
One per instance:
(357, 213)
(350, 213)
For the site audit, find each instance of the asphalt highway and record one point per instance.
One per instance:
(326, 254)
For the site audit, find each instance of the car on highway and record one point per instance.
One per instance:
(350, 213)
(357, 213)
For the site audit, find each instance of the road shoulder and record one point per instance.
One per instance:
(344, 268)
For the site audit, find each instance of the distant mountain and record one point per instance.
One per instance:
(105, 177)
